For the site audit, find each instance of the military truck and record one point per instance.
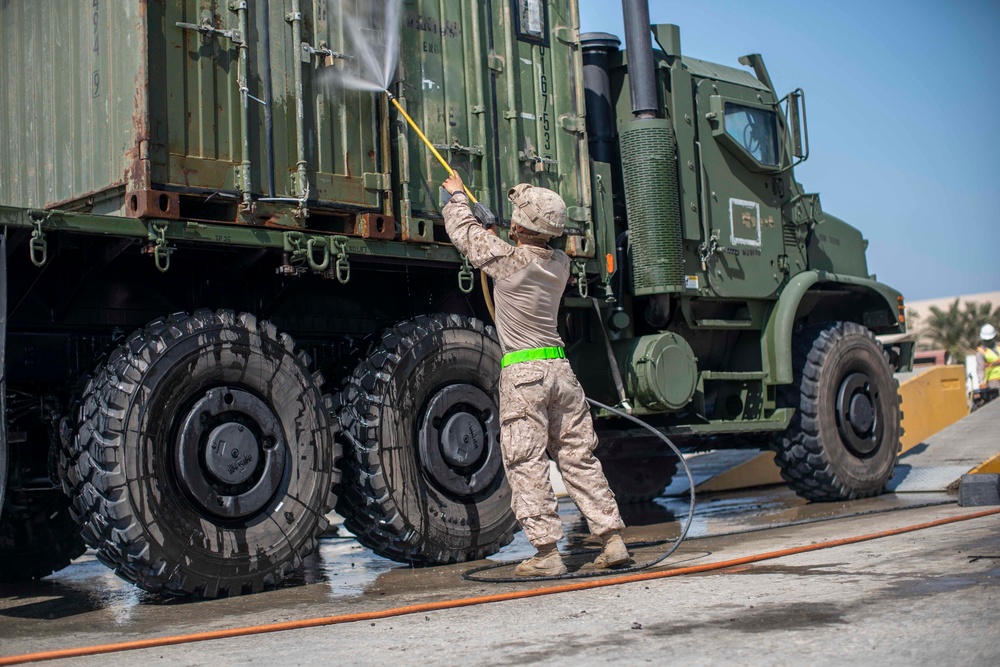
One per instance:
(229, 305)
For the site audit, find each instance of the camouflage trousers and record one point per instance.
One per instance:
(543, 408)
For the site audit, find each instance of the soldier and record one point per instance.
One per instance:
(988, 358)
(542, 405)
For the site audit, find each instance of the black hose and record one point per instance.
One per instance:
(470, 575)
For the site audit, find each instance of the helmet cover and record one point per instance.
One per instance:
(538, 209)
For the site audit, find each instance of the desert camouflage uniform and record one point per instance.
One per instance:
(542, 405)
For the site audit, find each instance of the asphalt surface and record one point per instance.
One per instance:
(926, 597)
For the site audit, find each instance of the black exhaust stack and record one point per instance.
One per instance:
(649, 168)
(597, 46)
(641, 69)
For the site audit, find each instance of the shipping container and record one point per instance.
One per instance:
(187, 109)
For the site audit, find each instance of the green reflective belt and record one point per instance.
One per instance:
(532, 355)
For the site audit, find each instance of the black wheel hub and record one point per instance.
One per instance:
(230, 453)
(459, 439)
(858, 415)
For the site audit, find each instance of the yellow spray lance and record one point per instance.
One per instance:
(483, 214)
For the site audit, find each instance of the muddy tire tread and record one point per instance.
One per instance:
(799, 452)
(369, 510)
(95, 478)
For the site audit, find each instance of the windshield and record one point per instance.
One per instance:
(755, 130)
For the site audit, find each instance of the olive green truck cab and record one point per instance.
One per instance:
(229, 305)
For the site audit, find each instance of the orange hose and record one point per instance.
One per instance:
(468, 602)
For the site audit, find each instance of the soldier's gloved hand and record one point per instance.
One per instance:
(453, 184)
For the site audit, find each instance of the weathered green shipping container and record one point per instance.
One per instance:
(165, 104)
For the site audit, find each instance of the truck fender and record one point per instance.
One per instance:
(881, 313)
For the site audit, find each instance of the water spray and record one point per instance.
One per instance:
(376, 62)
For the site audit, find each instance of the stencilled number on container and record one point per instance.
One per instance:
(96, 78)
(543, 89)
(97, 33)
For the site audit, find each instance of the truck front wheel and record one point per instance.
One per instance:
(204, 458)
(844, 438)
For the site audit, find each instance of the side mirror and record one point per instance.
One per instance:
(798, 126)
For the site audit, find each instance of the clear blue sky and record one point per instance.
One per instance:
(902, 105)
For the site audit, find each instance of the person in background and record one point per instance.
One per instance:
(988, 358)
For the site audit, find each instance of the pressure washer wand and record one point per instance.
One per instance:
(483, 214)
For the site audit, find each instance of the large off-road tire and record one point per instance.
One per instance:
(37, 535)
(843, 441)
(204, 458)
(423, 476)
(638, 479)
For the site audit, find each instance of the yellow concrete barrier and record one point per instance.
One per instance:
(761, 470)
(990, 465)
(932, 401)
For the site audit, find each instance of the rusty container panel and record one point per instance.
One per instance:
(113, 108)
(73, 101)
(345, 121)
(202, 143)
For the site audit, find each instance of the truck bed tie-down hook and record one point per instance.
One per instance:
(157, 247)
(342, 266)
(580, 271)
(38, 247)
(466, 279)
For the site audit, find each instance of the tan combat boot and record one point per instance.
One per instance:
(546, 563)
(614, 554)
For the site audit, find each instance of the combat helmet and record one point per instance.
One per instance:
(538, 209)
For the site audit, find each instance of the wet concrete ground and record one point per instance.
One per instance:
(86, 604)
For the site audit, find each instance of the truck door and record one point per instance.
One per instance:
(741, 156)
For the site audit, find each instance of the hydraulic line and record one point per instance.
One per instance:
(470, 575)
